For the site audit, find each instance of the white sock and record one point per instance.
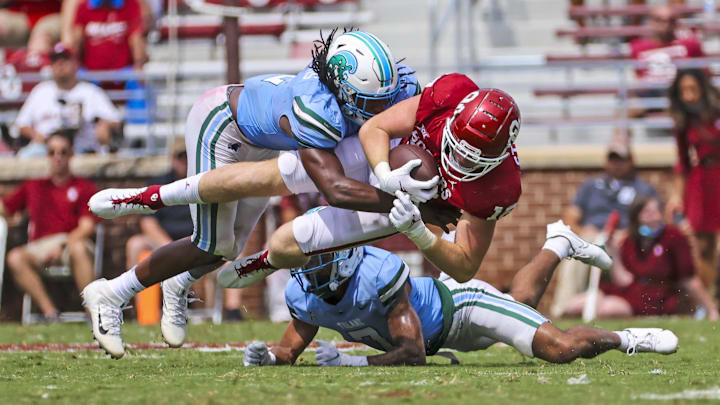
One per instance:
(185, 279)
(624, 341)
(182, 192)
(560, 246)
(126, 286)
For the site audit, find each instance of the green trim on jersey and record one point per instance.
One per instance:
(500, 310)
(311, 119)
(388, 293)
(448, 308)
(198, 166)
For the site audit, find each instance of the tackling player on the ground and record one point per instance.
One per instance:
(470, 132)
(366, 295)
(352, 77)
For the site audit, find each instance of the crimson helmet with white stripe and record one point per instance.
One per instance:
(478, 137)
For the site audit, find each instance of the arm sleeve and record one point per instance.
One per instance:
(101, 106)
(391, 279)
(17, 200)
(313, 124)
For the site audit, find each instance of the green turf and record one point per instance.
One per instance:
(185, 376)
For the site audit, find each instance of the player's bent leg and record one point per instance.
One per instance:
(324, 229)
(529, 283)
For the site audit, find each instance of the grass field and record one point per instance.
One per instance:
(218, 376)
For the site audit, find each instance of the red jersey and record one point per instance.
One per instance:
(657, 272)
(106, 33)
(52, 209)
(659, 56)
(697, 145)
(490, 197)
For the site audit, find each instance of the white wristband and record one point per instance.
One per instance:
(422, 237)
(382, 171)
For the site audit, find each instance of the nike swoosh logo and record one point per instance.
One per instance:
(100, 327)
(336, 356)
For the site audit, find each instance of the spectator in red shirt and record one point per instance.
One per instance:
(60, 224)
(662, 47)
(109, 34)
(695, 109)
(655, 265)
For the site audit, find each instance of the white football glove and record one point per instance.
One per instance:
(405, 216)
(329, 356)
(401, 180)
(257, 354)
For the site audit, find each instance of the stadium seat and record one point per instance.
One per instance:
(63, 273)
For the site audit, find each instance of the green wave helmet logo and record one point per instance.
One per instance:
(342, 64)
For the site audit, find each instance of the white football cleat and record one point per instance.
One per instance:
(173, 323)
(246, 271)
(105, 315)
(116, 202)
(655, 340)
(580, 249)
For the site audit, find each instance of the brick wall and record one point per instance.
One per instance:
(517, 236)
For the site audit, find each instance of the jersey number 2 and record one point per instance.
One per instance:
(370, 337)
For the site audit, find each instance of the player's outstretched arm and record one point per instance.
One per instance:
(406, 330)
(294, 341)
(326, 171)
(460, 259)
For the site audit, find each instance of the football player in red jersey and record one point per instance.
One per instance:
(470, 132)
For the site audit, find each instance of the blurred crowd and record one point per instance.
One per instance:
(71, 38)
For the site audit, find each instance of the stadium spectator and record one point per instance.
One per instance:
(60, 225)
(33, 23)
(655, 266)
(109, 34)
(595, 200)
(695, 109)
(162, 228)
(659, 49)
(67, 103)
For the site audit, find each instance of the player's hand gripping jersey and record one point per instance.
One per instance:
(315, 116)
(491, 196)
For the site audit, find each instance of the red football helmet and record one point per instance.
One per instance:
(477, 138)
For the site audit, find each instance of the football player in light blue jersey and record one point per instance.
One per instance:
(240, 130)
(366, 295)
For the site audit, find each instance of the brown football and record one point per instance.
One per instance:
(401, 154)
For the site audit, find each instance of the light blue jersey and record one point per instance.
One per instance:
(361, 314)
(313, 111)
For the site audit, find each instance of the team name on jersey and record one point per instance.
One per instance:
(351, 324)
